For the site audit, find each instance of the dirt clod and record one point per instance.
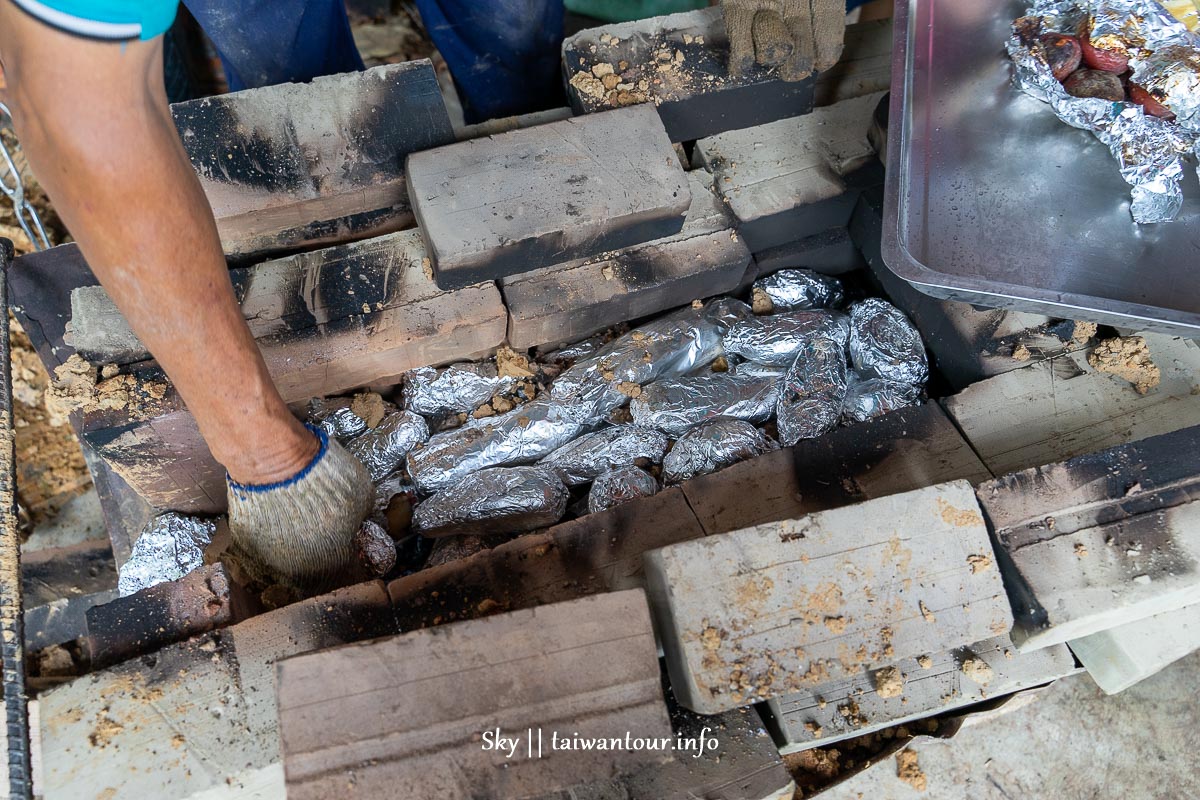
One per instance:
(511, 364)
(977, 670)
(761, 302)
(909, 771)
(1127, 357)
(889, 682)
(368, 406)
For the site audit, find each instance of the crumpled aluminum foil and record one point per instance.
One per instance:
(813, 391)
(675, 405)
(753, 370)
(1172, 75)
(714, 445)
(884, 343)
(801, 289)
(668, 347)
(1148, 150)
(521, 436)
(618, 486)
(774, 340)
(457, 389)
(496, 500)
(868, 397)
(382, 449)
(611, 448)
(334, 417)
(169, 547)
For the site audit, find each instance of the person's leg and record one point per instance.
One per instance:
(265, 42)
(504, 54)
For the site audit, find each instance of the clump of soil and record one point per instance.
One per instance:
(889, 682)
(909, 771)
(50, 465)
(511, 364)
(368, 406)
(761, 302)
(1083, 332)
(1127, 357)
(977, 670)
(76, 386)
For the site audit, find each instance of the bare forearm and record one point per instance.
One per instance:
(94, 123)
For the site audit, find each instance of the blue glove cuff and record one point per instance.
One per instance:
(299, 476)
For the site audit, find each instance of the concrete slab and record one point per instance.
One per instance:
(1120, 657)
(534, 197)
(788, 179)
(920, 687)
(772, 609)
(678, 63)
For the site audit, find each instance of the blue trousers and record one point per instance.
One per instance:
(264, 42)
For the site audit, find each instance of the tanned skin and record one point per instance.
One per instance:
(93, 121)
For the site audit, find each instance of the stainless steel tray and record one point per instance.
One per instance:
(990, 199)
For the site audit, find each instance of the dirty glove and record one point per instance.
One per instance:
(302, 532)
(797, 36)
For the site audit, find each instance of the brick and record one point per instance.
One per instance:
(596, 553)
(199, 716)
(771, 609)
(794, 178)
(203, 600)
(313, 163)
(568, 302)
(695, 96)
(1061, 408)
(864, 68)
(1098, 541)
(898, 452)
(403, 715)
(830, 252)
(1120, 657)
(744, 766)
(968, 343)
(307, 314)
(850, 707)
(526, 199)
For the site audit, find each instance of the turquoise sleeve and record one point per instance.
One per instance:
(105, 19)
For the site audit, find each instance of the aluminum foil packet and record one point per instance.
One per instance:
(382, 449)
(800, 289)
(869, 396)
(334, 417)
(775, 340)
(813, 392)
(521, 436)
(714, 445)
(620, 486)
(753, 370)
(496, 500)
(1148, 150)
(169, 547)
(456, 389)
(668, 347)
(594, 453)
(885, 343)
(675, 405)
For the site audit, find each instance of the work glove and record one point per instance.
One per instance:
(304, 533)
(797, 36)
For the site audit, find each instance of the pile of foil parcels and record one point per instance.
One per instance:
(1163, 55)
(169, 547)
(495, 500)
(618, 486)
(683, 395)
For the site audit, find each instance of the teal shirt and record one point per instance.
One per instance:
(105, 19)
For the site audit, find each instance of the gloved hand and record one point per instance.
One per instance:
(302, 532)
(797, 36)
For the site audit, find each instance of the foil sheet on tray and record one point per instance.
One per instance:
(1164, 57)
